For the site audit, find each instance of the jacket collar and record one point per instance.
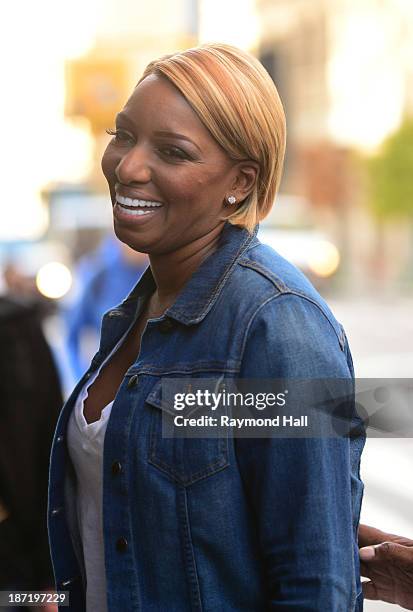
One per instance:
(203, 288)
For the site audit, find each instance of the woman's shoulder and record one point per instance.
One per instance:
(290, 318)
(264, 285)
(277, 270)
(265, 274)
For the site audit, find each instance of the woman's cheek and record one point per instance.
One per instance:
(108, 165)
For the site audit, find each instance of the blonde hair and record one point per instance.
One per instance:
(237, 101)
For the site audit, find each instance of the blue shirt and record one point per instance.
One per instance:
(105, 278)
(224, 523)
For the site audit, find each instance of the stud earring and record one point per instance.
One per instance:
(231, 199)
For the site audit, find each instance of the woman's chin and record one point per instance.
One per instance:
(138, 241)
(139, 231)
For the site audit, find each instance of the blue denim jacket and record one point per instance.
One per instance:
(219, 524)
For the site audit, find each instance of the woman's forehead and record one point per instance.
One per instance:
(156, 95)
(158, 103)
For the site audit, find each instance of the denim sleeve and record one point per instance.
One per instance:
(300, 489)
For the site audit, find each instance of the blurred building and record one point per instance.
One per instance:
(128, 36)
(344, 69)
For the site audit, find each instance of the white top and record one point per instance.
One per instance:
(85, 443)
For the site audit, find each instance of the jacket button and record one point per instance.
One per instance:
(116, 468)
(59, 439)
(121, 544)
(56, 511)
(166, 326)
(112, 314)
(133, 381)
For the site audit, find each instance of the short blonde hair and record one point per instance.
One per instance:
(237, 101)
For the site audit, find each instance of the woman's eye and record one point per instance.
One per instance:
(174, 152)
(120, 135)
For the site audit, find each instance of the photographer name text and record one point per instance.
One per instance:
(239, 423)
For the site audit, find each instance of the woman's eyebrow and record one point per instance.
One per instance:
(124, 117)
(176, 135)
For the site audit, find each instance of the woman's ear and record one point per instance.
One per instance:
(245, 179)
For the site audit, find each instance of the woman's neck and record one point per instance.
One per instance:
(173, 270)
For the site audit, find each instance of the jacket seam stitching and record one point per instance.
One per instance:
(158, 372)
(253, 265)
(309, 299)
(274, 297)
(196, 603)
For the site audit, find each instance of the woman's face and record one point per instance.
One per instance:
(166, 161)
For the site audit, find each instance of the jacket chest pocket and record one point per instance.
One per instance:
(183, 459)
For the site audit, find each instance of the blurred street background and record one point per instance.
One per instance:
(344, 70)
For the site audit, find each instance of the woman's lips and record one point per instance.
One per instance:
(134, 215)
(132, 209)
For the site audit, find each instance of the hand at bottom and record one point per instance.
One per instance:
(387, 560)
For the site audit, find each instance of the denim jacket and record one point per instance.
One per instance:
(219, 524)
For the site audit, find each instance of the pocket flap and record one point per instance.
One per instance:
(156, 397)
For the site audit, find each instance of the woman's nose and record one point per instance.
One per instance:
(133, 167)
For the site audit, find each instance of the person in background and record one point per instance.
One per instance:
(105, 277)
(30, 401)
(387, 560)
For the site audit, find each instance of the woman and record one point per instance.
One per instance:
(154, 523)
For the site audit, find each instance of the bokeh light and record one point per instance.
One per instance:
(323, 258)
(54, 280)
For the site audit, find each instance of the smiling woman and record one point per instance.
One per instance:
(177, 184)
(145, 522)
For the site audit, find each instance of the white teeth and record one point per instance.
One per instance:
(135, 213)
(138, 203)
